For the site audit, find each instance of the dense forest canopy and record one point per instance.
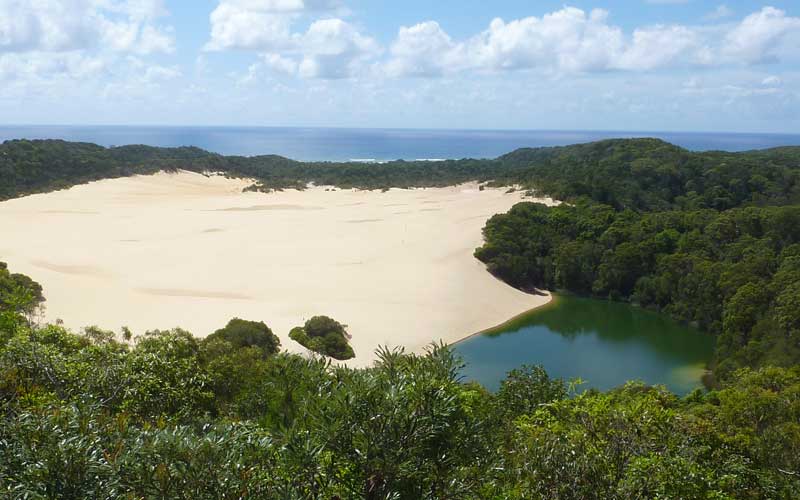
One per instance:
(712, 239)
(171, 416)
(45, 165)
(644, 174)
(650, 175)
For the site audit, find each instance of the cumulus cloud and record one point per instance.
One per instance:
(65, 25)
(423, 50)
(660, 46)
(260, 24)
(280, 64)
(758, 37)
(40, 67)
(333, 48)
(330, 48)
(566, 41)
(50, 47)
(571, 40)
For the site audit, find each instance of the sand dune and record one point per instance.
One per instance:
(193, 251)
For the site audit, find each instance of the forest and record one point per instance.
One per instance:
(639, 174)
(712, 239)
(28, 167)
(166, 415)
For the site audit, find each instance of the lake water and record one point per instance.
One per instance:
(603, 343)
(339, 144)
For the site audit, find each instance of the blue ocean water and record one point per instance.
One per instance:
(340, 144)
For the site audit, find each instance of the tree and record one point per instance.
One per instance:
(326, 336)
(241, 333)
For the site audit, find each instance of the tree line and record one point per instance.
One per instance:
(712, 239)
(36, 166)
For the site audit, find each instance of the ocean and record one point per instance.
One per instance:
(341, 144)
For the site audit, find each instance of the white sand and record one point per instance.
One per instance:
(191, 251)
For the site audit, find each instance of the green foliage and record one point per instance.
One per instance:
(709, 238)
(526, 389)
(86, 417)
(641, 174)
(652, 175)
(19, 295)
(241, 333)
(168, 416)
(46, 165)
(324, 335)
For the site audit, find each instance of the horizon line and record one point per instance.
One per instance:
(431, 129)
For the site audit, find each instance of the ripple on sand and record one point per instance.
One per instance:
(70, 212)
(266, 208)
(363, 221)
(197, 294)
(77, 270)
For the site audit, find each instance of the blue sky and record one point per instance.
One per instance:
(680, 65)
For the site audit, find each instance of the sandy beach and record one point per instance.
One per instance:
(193, 251)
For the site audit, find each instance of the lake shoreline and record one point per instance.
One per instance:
(552, 301)
(604, 343)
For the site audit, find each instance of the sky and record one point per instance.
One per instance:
(651, 65)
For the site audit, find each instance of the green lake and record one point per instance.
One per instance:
(603, 343)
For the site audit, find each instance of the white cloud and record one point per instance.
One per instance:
(566, 40)
(259, 24)
(41, 67)
(161, 73)
(330, 48)
(571, 40)
(758, 37)
(58, 49)
(234, 27)
(281, 64)
(771, 81)
(67, 25)
(423, 50)
(660, 46)
(333, 48)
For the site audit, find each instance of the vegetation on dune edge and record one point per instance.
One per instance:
(712, 239)
(325, 336)
(35, 166)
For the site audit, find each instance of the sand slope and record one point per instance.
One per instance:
(192, 251)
